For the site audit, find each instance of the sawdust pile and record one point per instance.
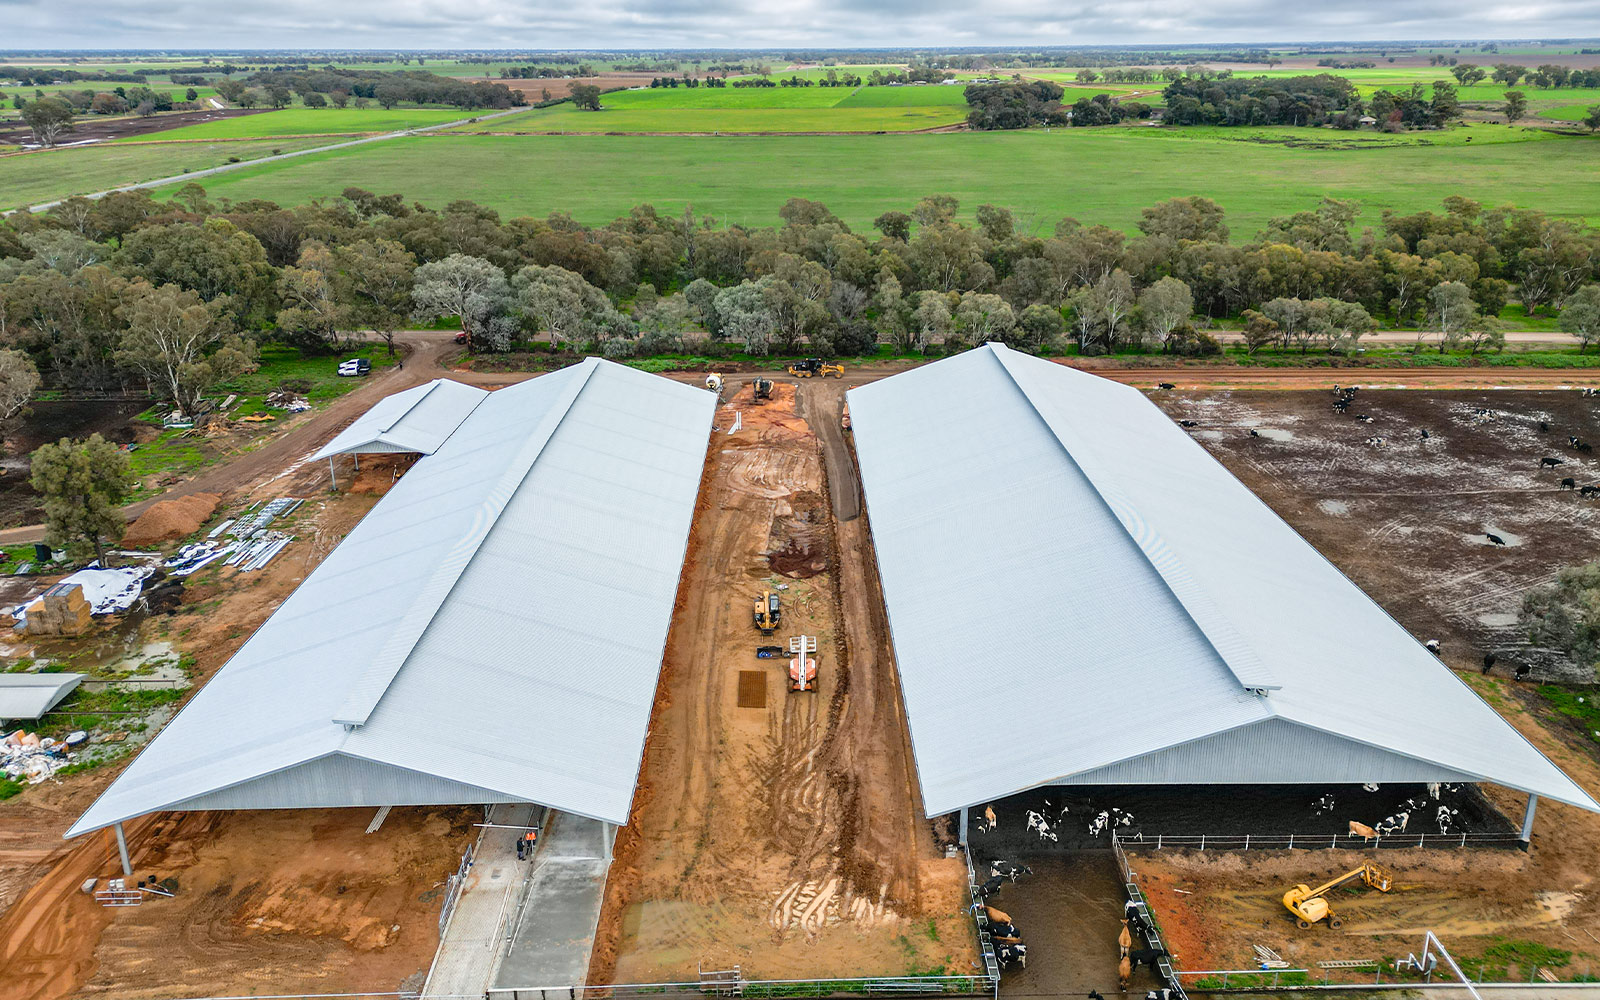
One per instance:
(171, 519)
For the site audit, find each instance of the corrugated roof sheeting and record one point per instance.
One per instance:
(517, 680)
(418, 419)
(28, 696)
(1058, 554)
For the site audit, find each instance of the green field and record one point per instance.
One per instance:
(45, 175)
(1096, 175)
(1568, 112)
(566, 118)
(933, 95)
(311, 121)
(748, 109)
(686, 98)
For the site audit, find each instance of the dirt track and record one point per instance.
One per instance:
(784, 838)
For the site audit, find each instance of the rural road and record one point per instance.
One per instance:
(193, 174)
(428, 350)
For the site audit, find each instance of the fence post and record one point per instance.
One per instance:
(1202, 841)
(1247, 841)
(1291, 841)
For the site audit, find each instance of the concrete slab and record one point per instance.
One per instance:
(554, 931)
(472, 942)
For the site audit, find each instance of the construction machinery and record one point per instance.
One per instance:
(768, 612)
(1310, 905)
(814, 366)
(802, 664)
(714, 383)
(761, 389)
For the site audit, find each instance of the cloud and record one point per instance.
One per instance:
(658, 24)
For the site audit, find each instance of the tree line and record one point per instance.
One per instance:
(178, 293)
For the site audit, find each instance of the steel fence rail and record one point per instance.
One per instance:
(968, 986)
(1136, 896)
(1313, 841)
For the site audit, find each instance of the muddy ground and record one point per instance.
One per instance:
(1149, 811)
(1408, 521)
(784, 837)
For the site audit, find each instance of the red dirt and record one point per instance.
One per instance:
(171, 519)
(787, 839)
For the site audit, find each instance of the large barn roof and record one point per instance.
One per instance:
(420, 419)
(1064, 565)
(491, 631)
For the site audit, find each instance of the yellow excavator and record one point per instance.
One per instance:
(814, 366)
(761, 389)
(768, 612)
(1310, 905)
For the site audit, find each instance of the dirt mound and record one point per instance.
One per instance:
(171, 519)
(380, 472)
(798, 545)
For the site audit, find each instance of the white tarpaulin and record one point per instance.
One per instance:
(106, 590)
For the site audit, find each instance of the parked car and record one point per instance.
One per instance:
(461, 338)
(354, 367)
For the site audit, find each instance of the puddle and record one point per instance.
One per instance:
(152, 665)
(1337, 508)
(1275, 434)
(1498, 620)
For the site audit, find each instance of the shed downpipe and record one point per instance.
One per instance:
(963, 837)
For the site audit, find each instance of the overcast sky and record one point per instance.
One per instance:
(492, 24)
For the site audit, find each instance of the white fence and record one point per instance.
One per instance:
(1312, 841)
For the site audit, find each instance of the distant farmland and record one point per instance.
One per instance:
(1095, 175)
(751, 109)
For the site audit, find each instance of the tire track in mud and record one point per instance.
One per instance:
(755, 831)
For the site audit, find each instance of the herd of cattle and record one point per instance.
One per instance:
(1136, 945)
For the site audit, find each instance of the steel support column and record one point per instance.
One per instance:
(122, 849)
(1527, 817)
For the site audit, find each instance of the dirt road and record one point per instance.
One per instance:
(777, 831)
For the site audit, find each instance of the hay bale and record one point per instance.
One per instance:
(171, 519)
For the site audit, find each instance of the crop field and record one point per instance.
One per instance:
(566, 118)
(31, 178)
(1095, 175)
(1567, 112)
(905, 97)
(749, 109)
(315, 121)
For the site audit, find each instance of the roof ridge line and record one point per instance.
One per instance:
(369, 688)
(1236, 654)
(430, 386)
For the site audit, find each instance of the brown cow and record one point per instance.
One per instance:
(1362, 830)
(1124, 972)
(1124, 941)
(997, 916)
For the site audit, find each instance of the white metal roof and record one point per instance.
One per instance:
(28, 696)
(491, 631)
(418, 419)
(1065, 566)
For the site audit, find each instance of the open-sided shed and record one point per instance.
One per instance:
(1062, 561)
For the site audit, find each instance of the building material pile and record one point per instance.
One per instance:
(61, 610)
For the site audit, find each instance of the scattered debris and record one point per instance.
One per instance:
(27, 757)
